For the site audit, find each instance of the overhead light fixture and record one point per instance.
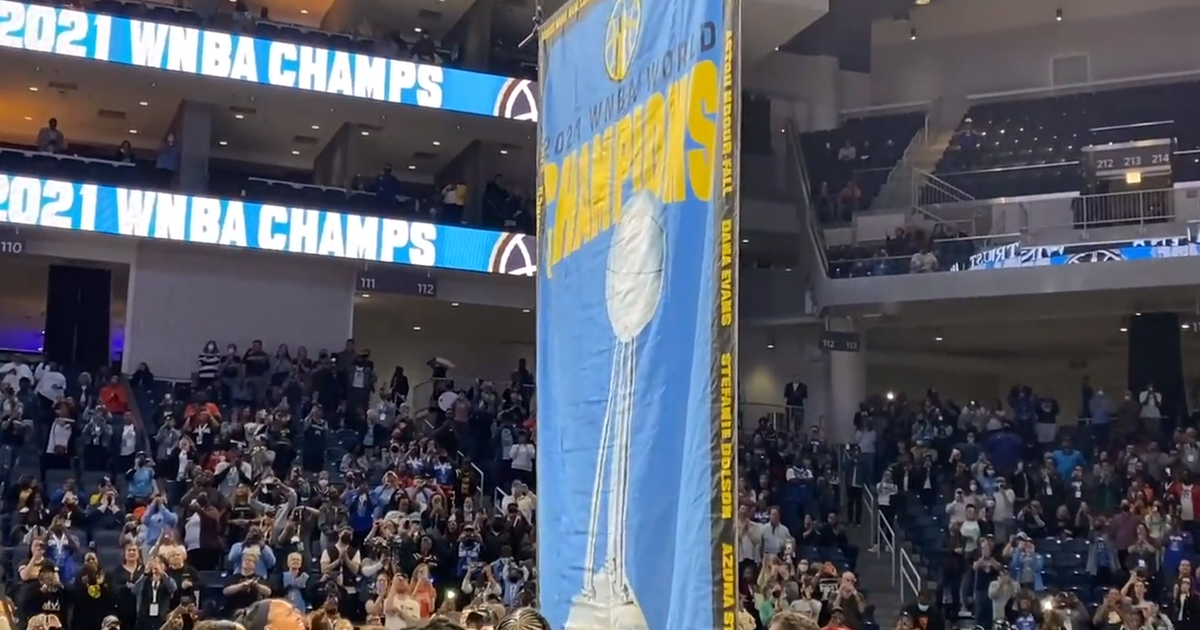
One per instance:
(454, 304)
(524, 310)
(503, 151)
(303, 11)
(1137, 314)
(1185, 326)
(29, 118)
(745, 241)
(133, 132)
(239, 116)
(295, 152)
(223, 143)
(33, 88)
(412, 167)
(366, 295)
(939, 338)
(143, 103)
(770, 346)
(912, 34)
(1058, 15)
(316, 127)
(436, 143)
(1123, 329)
(921, 3)
(417, 29)
(416, 328)
(365, 132)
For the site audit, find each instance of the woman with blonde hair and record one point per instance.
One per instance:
(399, 608)
(423, 591)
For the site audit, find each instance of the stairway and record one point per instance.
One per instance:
(875, 578)
(922, 155)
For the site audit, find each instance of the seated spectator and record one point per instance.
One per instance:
(923, 261)
(142, 378)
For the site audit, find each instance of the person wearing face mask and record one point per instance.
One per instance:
(807, 604)
(924, 613)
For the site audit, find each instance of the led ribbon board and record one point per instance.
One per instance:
(34, 202)
(174, 48)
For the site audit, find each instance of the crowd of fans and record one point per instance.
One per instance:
(907, 250)
(269, 475)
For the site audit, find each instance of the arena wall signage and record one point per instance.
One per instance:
(35, 202)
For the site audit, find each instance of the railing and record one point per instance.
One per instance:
(928, 188)
(788, 419)
(810, 228)
(903, 570)
(903, 170)
(910, 578)
(870, 259)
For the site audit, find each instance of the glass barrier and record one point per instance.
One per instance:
(904, 256)
(1000, 232)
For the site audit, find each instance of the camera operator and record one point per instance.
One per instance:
(245, 586)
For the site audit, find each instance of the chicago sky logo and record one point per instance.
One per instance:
(517, 100)
(514, 255)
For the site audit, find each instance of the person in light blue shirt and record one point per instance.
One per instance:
(295, 581)
(1066, 459)
(141, 478)
(1027, 565)
(158, 519)
(1101, 410)
(254, 544)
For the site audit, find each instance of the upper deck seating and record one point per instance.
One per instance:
(879, 142)
(1033, 146)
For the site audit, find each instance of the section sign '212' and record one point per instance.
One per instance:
(176, 48)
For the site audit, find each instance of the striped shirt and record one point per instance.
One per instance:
(208, 365)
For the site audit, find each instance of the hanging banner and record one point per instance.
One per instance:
(637, 314)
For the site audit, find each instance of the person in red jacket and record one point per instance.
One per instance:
(113, 396)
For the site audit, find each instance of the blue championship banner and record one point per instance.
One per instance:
(71, 33)
(637, 300)
(48, 203)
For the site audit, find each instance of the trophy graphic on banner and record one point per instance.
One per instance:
(633, 288)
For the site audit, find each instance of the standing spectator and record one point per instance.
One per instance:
(245, 586)
(128, 442)
(1152, 411)
(141, 478)
(208, 365)
(113, 397)
(153, 591)
(50, 139)
(522, 455)
(795, 395)
(258, 365)
(166, 164)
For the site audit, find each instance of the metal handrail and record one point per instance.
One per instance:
(922, 179)
(885, 539)
(909, 576)
(808, 220)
